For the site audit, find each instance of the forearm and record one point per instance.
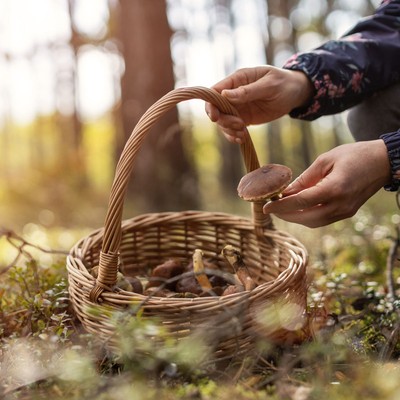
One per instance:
(343, 72)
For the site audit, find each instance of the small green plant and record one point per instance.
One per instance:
(353, 354)
(34, 302)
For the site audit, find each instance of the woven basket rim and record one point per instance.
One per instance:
(148, 220)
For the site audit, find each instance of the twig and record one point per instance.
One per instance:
(390, 261)
(20, 244)
(389, 346)
(45, 378)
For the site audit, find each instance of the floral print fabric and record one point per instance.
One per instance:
(345, 71)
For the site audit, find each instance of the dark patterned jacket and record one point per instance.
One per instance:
(344, 72)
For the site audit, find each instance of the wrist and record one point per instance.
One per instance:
(303, 89)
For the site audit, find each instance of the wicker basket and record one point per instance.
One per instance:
(275, 309)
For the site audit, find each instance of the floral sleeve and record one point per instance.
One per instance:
(345, 71)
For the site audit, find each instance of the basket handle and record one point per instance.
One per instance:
(108, 263)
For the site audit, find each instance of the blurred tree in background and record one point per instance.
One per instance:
(164, 175)
(75, 76)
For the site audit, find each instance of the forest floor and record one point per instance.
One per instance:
(354, 353)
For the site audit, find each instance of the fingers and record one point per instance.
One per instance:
(233, 137)
(259, 94)
(335, 186)
(306, 199)
(315, 217)
(225, 121)
(311, 208)
(241, 77)
(212, 112)
(240, 95)
(240, 89)
(231, 81)
(233, 127)
(319, 205)
(319, 169)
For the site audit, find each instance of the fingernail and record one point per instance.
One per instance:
(288, 190)
(213, 115)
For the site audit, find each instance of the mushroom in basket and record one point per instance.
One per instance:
(127, 283)
(265, 183)
(233, 256)
(165, 274)
(194, 280)
(199, 270)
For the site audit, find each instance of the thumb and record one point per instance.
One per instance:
(254, 91)
(239, 95)
(310, 177)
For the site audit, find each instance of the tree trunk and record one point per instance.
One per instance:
(232, 168)
(307, 146)
(274, 140)
(75, 134)
(163, 176)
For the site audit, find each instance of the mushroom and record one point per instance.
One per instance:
(233, 256)
(199, 270)
(136, 284)
(217, 280)
(215, 291)
(188, 284)
(231, 289)
(163, 274)
(123, 283)
(264, 183)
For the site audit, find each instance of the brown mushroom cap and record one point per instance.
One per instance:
(264, 183)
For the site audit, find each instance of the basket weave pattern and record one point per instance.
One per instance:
(277, 261)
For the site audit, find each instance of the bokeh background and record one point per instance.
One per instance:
(76, 75)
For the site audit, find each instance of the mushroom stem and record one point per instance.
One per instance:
(198, 268)
(235, 259)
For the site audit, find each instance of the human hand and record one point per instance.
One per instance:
(335, 186)
(259, 94)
